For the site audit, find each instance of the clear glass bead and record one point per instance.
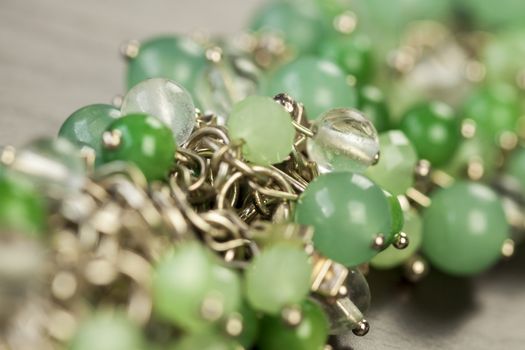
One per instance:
(358, 289)
(344, 140)
(343, 315)
(165, 100)
(222, 84)
(50, 163)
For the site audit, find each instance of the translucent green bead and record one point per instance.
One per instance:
(106, 331)
(344, 140)
(85, 126)
(204, 341)
(300, 28)
(348, 211)
(21, 208)
(144, 141)
(371, 101)
(495, 109)
(398, 157)
(310, 334)
(181, 283)
(317, 83)
(170, 57)
(166, 100)
(464, 228)
(391, 256)
(49, 163)
(265, 128)
(352, 53)
(398, 219)
(515, 167)
(434, 131)
(278, 277)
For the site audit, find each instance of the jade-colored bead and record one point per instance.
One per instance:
(226, 285)
(181, 282)
(310, 334)
(391, 256)
(317, 83)
(347, 212)
(434, 130)
(300, 28)
(398, 157)
(145, 142)
(279, 276)
(495, 109)
(464, 228)
(21, 208)
(170, 57)
(398, 219)
(264, 127)
(204, 341)
(86, 126)
(250, 326)
(352, 53)
(371, 101)
(106, 331)
(515, 167)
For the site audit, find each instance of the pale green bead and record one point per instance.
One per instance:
(226, 286)
(108, 332)
(278, 277)
(344, 140)
(167, 101)
(395, 169)
(391, 256)
(264, 127)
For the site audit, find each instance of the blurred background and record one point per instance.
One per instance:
(58, 55)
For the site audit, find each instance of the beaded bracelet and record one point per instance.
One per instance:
(250, 221)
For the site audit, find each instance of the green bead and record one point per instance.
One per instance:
(317, 83)
(347, 211)
(502, 55)
(504, 13)
(464, 228)
(371, 101)
(310, 334)
(265, 128)
(495, 109)
(434, 131)
(352, 53)
(250, 326)
(144, 141)
(85, 126)
(301, 29)
(398, 219)
(204, 341)
(108, 332)
(395, 169)
(181, 282)
(170, 57)
(269, 286)
(226, 285)
(21, 209)
(515, 167)
(391, 256)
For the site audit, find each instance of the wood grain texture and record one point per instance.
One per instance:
(58, 55)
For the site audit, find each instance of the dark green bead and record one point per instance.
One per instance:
(250, 326)
(347, 211)
(171, 57)
(21, 209)
(464, 228)
(371, 101)
(398, 219)
(352, 53)
(310, 334)
(495, 109)
(86, 126)
(146, 142)
(434, 131)
(299, 26)
(515, 167)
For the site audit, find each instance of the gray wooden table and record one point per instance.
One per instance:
(58, 55)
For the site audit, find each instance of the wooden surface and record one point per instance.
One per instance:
(58, 55)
